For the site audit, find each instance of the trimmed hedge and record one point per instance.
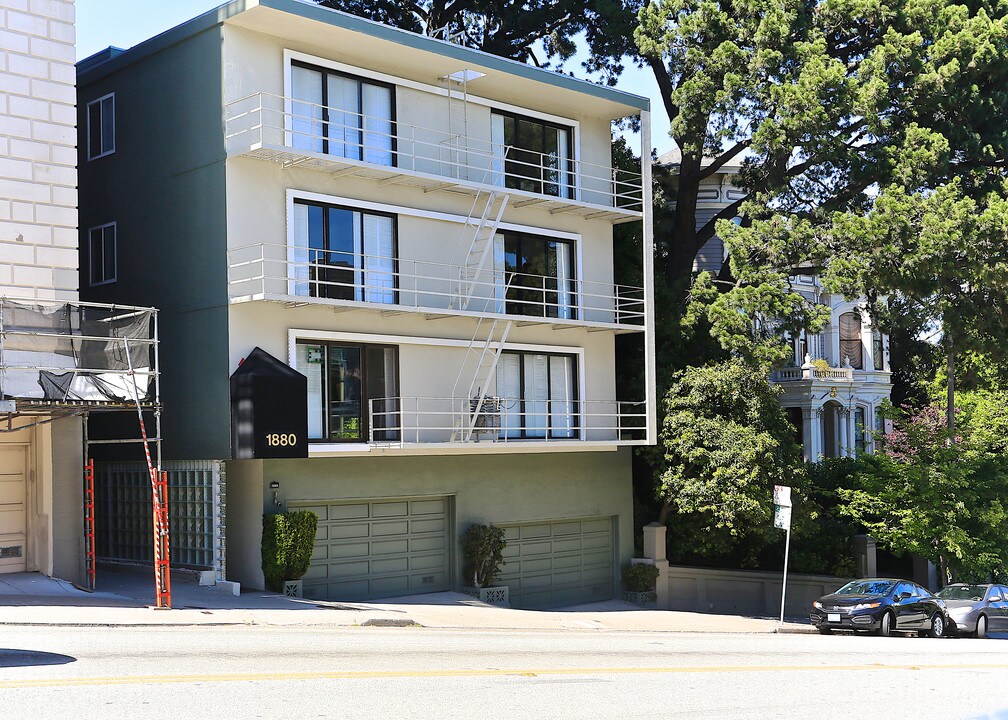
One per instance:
(639, 577)
(287, 543)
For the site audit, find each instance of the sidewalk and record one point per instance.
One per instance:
(125, 597)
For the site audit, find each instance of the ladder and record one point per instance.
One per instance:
(487, 353)
(474, 269)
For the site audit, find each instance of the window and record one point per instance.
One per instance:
(850, 339)
(539, 154)
(343, 254)
(878, 350)
(101, 127)
(541, 275)
(351, 387)
(342, 115)
(859, 431)
(102, 254)
(539, 395)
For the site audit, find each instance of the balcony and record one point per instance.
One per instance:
(297, 133)
(299, 275)
(501, 422)
(61, 357)
(806, 373)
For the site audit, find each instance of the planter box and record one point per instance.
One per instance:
(490, 595)
(645, 599)
(292, 588)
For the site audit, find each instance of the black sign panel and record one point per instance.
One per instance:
(269, 409)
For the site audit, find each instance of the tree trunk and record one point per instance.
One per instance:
(666, 508)
(950, 400)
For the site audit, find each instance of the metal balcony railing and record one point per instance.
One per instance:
(304, 133)
(404, 421)
(298, 274)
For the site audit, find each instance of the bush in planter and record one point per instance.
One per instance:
(483, 554)
(639, 577)
(287, 543)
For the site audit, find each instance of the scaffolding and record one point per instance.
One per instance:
(63, 359)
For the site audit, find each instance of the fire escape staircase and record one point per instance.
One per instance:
(482, 355)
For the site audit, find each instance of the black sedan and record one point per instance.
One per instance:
(881, 605)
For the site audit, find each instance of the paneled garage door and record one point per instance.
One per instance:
(12, 508)
(379, 548)
(566, 562)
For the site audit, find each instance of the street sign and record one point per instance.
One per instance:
(781, 495)
(782, 517)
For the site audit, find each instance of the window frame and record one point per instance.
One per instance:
(571, 181)
(365, 431)
(360, 80)
(87, 111)
(115, 254)
(522, 307)
(575, 402)
(860, 338)
(326, 233)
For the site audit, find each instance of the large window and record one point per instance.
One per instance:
(860, 434)
(539, 154)
(101, 127)
(540, 271)
(342, 115)
(340, 253)
(102, 254)
(878, 350)
(850, 339)
(539, 394)
(351, 388)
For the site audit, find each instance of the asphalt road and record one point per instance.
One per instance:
(369, 672)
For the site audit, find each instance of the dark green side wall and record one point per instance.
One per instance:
(165, 188)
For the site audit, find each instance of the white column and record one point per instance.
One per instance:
(650, 382)
(808, 434)
(817, 434)
(851, 433)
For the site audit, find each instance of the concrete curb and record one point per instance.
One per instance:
(797, 630)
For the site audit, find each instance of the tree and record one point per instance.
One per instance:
(726, 443)
(537, 31)
(933, 495)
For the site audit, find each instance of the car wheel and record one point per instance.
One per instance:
(886, 626)
(981, 631)
(825, 631)
(937, 625)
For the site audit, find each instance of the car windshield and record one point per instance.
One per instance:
(964, 592)
(866, 587)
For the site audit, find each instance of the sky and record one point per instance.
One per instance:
(125, 23)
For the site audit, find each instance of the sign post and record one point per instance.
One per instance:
(782, 520)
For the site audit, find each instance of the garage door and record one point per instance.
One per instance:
(379, 548)
(552, 564)
(12, 509)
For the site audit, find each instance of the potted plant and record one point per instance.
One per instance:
(287, 544)
(639, 584)
(483, 554)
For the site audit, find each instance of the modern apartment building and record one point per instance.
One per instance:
(838, 378)
(424, 233)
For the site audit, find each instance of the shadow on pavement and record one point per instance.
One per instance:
(10, 658)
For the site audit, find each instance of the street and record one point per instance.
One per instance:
(372, 672)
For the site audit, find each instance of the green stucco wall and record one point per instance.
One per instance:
(165, 188)
(487, 488)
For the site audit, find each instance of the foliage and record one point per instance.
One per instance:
(726, 442)
(537, 31)
(639, 577)
(933, 495)
(287, 544)
(483, 553)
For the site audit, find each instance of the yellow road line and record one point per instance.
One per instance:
(462, 672)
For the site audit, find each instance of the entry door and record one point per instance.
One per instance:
(12, 509)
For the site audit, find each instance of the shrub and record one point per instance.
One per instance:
(483, 553)
(639, 577)
(287, 543)
(820, 364)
